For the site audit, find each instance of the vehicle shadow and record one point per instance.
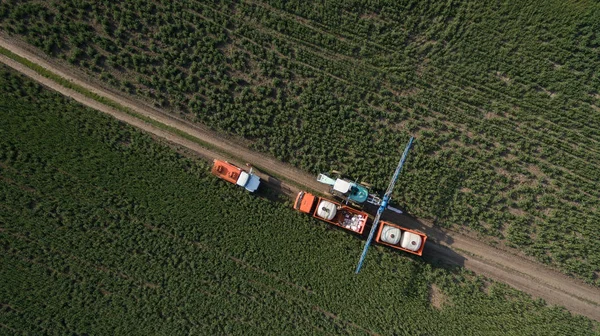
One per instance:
(437, 249)
(272, 188)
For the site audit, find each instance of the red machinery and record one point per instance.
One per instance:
(331, 212)
(401, 238)
(236, 175)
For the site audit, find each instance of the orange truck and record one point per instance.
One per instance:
(331, 212)
(401, 238)
(236, 175)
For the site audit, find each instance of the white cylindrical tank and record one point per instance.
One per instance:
(326, 210)
(411, 241)
(390, 234)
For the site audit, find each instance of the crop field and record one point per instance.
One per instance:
(504, 98)
(104, 231)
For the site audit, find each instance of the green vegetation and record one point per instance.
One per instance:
(106, 101)
(503, 97)
(80, 89)
(103, 231)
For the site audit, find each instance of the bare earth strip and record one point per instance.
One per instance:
(445, 246)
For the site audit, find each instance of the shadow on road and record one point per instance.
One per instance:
(436, 249)
(277, 186)
(274, 190)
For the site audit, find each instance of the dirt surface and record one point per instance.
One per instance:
(436, 297)
(443, 246)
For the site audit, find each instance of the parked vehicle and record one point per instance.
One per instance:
(236, 175)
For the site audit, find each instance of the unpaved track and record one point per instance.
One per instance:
(445, 246)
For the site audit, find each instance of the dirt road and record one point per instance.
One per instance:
(445, 246)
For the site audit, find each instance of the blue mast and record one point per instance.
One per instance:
(384, 204)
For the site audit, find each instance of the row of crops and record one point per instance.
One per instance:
(504, 98)
(104, 231)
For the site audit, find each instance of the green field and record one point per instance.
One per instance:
(504, 98)
(104, 231)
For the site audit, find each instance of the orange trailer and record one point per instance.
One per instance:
(236, 175)
(401, 238)
(331, 212)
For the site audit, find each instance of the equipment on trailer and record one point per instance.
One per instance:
(331, 212)
(382, 207)
(401, 238)
(236, 175)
